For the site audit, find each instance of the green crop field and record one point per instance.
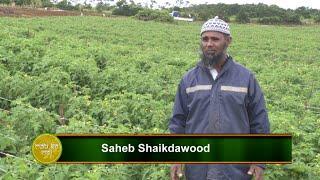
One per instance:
(119, 75)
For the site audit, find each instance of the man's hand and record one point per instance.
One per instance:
(256, 171)
(176, 171)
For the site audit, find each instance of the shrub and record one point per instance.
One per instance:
(103, 7)
(126, 10)
(242, 17)
(7, 2)
(291, 18)
(317, 18)
(65, 5)
(149, 14)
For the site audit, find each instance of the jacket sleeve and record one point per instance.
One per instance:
(257, 112)
(177, 122)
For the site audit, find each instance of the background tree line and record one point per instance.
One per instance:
(259, 13)
(248, 13)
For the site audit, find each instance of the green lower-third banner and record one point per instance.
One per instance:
(164, 148)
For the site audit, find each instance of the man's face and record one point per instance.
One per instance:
(213, 46)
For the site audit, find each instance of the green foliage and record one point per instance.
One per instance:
(264, 13)
(47, 3)
(87, 6)
(288, 18)
(242, 17)
(125, 9)
(65, 5)
(100, 7)
(304, 12)
(21, 169)
(176, 8)
(149, 14)
(291, 18)
(120, 75)
(7, 2)
(22, 125)
(317, 18)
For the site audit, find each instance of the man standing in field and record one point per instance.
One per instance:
(215, 97)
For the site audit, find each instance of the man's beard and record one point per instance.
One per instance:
(210, 59)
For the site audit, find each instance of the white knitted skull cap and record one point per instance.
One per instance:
(216, 24)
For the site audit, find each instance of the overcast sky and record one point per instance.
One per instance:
(292, 4)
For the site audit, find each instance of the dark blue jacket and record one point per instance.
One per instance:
(232, 103)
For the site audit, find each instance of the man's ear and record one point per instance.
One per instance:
(228, 39)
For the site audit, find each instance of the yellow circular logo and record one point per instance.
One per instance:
(46, 148)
